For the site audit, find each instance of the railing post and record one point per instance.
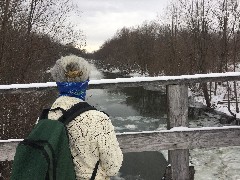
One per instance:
(177, 98)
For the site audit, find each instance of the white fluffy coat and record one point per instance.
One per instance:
(92, 138)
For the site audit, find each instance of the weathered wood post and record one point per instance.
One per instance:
(177, 98)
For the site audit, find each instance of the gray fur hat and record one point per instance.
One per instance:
(70, 69)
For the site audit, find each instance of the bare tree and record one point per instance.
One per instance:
(5, 7)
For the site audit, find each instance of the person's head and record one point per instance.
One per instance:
(72, 75)
(71, 69)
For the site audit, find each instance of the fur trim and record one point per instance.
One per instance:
(71, 69)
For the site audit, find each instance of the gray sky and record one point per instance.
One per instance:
(100, 19)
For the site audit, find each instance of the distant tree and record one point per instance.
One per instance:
(188, 41)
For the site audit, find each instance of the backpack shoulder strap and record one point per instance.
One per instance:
(75, 111)
(44, 114)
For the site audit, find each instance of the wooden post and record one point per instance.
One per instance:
(177, 98)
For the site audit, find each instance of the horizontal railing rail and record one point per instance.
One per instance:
(176, 138)
(151, 82)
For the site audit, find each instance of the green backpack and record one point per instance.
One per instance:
(45, 154)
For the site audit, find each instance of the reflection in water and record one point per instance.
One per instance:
(147, 103)
(112, 103)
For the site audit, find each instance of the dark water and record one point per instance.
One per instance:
(134, 110)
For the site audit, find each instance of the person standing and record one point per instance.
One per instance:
(91, 134)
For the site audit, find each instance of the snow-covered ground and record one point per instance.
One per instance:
(219, 101)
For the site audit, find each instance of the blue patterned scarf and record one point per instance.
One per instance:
(73, 89)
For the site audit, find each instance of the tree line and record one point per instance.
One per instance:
(197, 36)
(192, 37)
(33, 34)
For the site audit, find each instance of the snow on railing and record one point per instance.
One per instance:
(136, 81)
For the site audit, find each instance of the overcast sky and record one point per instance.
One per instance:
(100, 19)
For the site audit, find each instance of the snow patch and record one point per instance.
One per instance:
(131, 126)
(115, 71)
